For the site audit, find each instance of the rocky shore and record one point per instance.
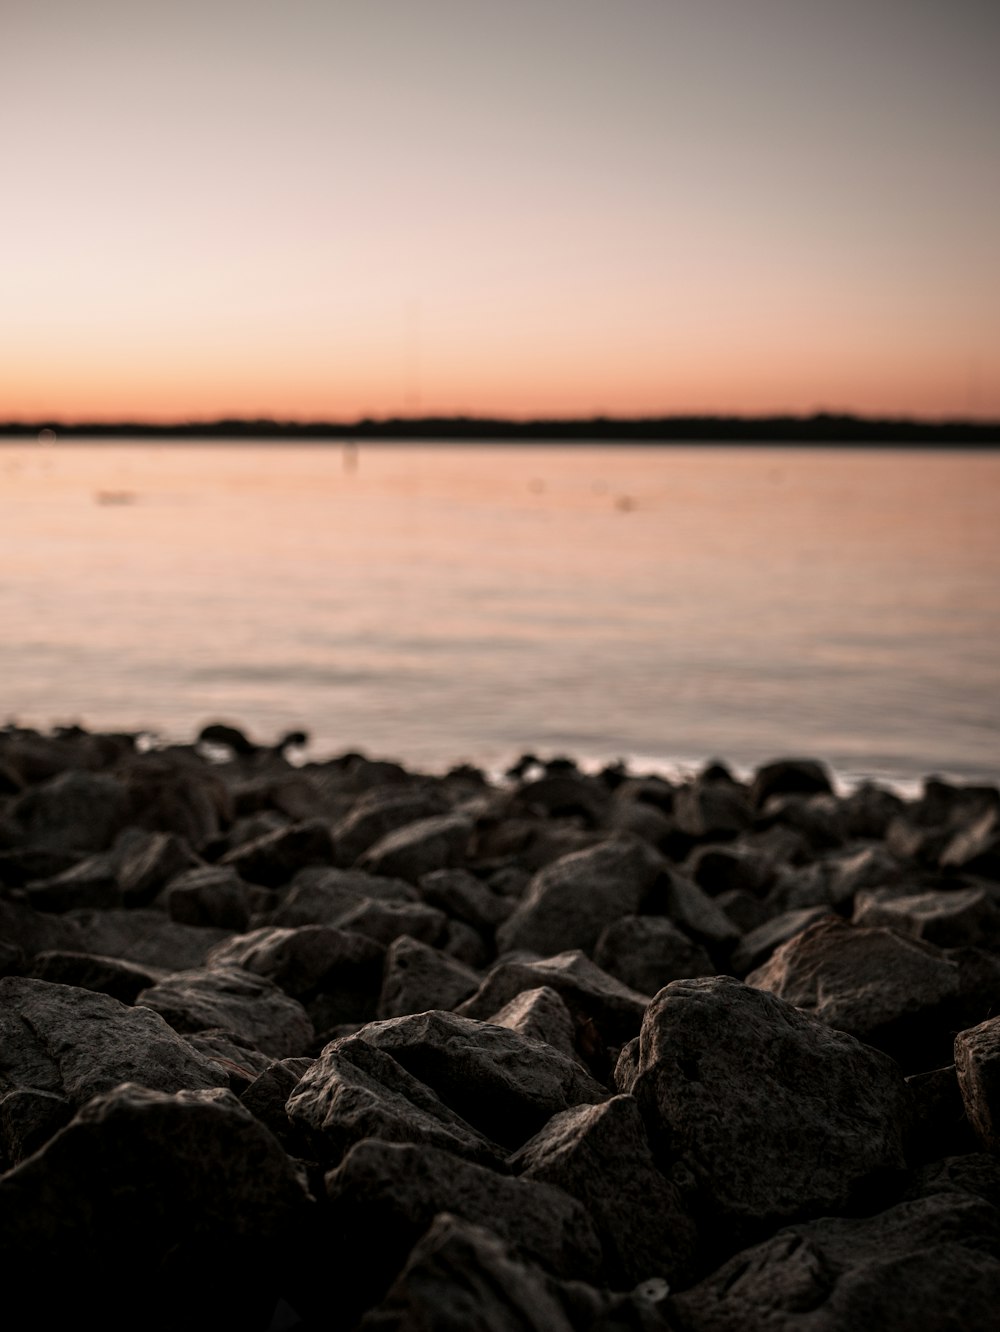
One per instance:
(343, 1045)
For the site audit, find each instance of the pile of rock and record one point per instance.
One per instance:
(343, 1045)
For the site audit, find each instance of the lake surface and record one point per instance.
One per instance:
(445, 603)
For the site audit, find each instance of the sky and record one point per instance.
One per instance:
(325, 209)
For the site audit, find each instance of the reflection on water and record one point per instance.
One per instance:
(443, 603)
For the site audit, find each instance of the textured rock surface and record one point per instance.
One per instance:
(760, 1112)
(977, 1064)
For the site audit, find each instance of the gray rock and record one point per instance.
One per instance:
(238, 1058)
(273, 859)
(977, 1063)
(177, 792)
(600, 1155)
(466, 898)
(89, 971)
(236, 1000)
(950, 919)
(976, 848)
(757, 946)
(930, 1263)
(571, 901)
(461, 1276)
(647, 952)
(267, 1095)
(890, 991)
(539, 1015)
(355, 1091)
(145, 1192)
(383, 1196)
(720, 869)
(144, 936)
(76, 811)
(713, 810)
(30, 931)
(693, 911)
(91, 882)
(591, 995)
(379, 812)
(760, 1112)
(75, 1044)
(503, 1084)
(211, 896)
(323, 896)
(147, 861)
(385, 921)
(305, 960)
(419, 848)
(418, 977)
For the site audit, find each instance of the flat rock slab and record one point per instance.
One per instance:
(236, 1000)
(760, 1112)
(929, 1263)
(600, 1154)
(502, 1083)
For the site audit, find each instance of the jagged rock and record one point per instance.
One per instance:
(75, 1043)
(91, 882)
(539, 1015)
(697, 914)
(888, 990)
(647, 952)
(600, 1155)
(760, 1112)
(324, 896)
(148, 1194)
(273, 859)
(743, 909)
(236, 1000)
(499, 1081)
(570, 902)
(267, 1095)
(144, 936)
(929, 1263)
(817, 818)
(419, 848)
(418, 977)
(379, 812)
(89, 971)
(76, 811)
(355, 1091)
(29, 1116)
(238, 1058)
(461, 1276)
(306, 960)
(211, 896)
(147, 861)
(834, 881)
(466, 898)
(977, 1063)
(757, 946)
(950, 919)
(789, 776)
(383, 1196)
(386, 921)
(868, 811)
(590, 994)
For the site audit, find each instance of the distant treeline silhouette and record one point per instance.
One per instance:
(820, 428)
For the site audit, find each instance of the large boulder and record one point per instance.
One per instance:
(759, 1112)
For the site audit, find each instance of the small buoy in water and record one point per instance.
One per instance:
(625, 503)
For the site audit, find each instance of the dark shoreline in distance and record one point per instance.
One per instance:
(821, 428)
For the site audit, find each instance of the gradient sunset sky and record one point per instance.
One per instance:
(333, 208)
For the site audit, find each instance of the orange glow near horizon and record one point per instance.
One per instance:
(349, 211)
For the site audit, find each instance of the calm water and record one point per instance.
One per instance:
(444, 603)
